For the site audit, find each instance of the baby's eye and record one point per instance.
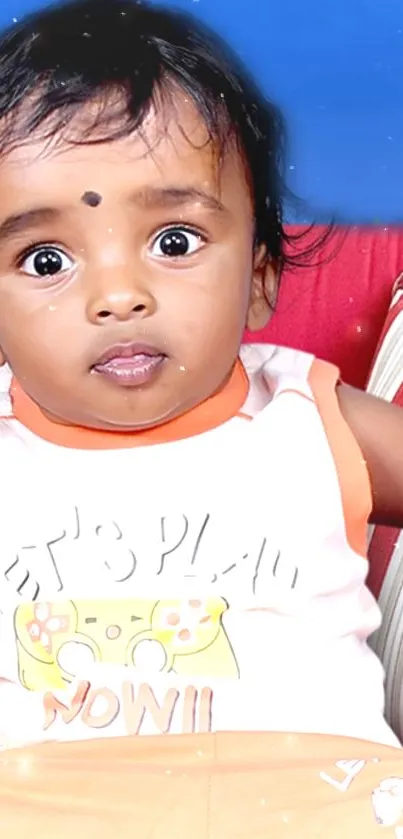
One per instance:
(45, 261)
(177, 242)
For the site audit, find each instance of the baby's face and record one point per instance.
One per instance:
(126, 272)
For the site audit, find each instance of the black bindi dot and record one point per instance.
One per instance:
(91, 199)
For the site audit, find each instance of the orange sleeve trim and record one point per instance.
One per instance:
(351, 468)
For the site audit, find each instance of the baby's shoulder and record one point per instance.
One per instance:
(276, 362)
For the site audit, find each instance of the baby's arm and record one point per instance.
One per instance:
(378, 428)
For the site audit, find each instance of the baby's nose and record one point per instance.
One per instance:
(119, 298)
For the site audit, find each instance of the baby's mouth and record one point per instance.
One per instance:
(129, 365)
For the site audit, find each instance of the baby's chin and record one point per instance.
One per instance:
(99, 403)
(129, 419)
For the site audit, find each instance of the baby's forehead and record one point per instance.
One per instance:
(84, 171)
(171, 150)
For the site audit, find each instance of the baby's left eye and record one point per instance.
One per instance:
(176, 242)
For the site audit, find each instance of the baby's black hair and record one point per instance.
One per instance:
(56, 61)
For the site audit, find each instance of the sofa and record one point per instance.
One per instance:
(348, 309)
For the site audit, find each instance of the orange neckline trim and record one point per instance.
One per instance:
(216, 410)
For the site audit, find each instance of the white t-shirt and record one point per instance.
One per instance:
(211, 581)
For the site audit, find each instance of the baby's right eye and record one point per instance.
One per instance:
(45, 261)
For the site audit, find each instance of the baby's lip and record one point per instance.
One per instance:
(127, 350)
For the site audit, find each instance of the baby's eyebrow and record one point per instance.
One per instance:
(149, 197)
(28, 220)
(172, 196)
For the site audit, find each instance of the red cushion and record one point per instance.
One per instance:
(337, 309)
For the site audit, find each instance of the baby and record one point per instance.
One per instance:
(183, 519)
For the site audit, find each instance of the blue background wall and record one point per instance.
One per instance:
(337, 69)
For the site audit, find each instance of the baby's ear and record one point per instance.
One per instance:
(263, 292)
(3, 359)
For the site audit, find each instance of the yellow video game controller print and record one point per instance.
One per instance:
(57, 641)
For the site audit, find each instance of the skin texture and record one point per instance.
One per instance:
(115, 286)
(378, 427)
